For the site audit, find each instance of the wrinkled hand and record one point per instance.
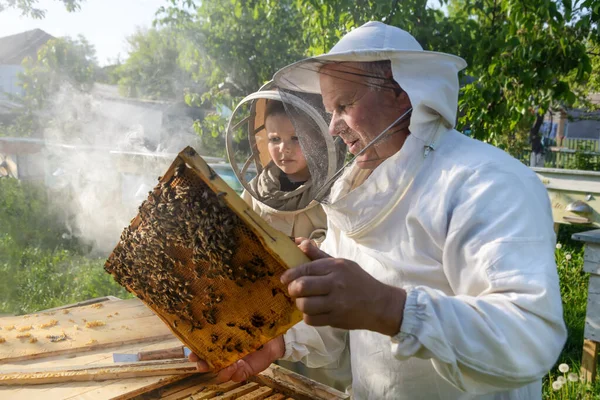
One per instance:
(339, 293)
(248, 366)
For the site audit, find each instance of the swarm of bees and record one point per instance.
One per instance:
(176, 217)
(182, 256)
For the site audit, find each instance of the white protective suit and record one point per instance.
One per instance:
(463, 227)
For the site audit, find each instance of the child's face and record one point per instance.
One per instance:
(284, 147)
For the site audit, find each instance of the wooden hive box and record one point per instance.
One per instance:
(208, 265)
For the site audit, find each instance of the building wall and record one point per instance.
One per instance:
(9, 80)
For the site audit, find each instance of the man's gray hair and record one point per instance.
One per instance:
(379, 74)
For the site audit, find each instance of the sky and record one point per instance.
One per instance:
(104, 23)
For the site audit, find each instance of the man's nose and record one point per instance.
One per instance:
(336, 125)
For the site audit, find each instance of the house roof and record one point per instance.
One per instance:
(15, 48)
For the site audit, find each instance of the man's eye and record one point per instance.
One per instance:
(274, 140)
(341, 108)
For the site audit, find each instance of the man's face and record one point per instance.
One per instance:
(361, 112)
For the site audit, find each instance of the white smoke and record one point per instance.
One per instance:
(103, 154)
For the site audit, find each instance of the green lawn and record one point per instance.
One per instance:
(573, 284)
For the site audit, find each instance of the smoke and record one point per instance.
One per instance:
(103, 154)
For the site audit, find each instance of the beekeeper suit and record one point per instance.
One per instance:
(463, 228)
(292, 210)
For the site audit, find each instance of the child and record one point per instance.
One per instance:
(283, 192)
(284, 188)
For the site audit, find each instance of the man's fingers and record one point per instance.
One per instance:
(201, 365)
(311, 251)
(226, 373)
(317, 320)
(243, 371)
(317, 268)
(314, 305)
(307, 286)
(299, 240)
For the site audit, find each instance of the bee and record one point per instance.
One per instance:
(257, 320)
(239, 348)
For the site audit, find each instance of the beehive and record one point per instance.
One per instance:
(207, 264)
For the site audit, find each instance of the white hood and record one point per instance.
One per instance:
(429, 78)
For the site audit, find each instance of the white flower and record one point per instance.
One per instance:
(558, 246)
(561, 379)
(568, 256)
(564, 368)
(556, 385)
(572, 377)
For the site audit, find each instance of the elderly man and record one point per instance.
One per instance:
(439, 257)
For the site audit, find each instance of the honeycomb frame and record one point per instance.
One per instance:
(222, 303)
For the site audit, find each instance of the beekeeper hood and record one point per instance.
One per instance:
(430, 79)
(296, 140)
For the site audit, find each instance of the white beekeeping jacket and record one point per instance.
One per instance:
(467, 230)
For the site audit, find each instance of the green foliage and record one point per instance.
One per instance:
(584, 158)
(234, 46)
(530, 57)
(60, 63)
(29, 7)
(41, 266)
(153, 69)
(526, 58)
(573, 287)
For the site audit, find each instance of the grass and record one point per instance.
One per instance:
(573, 285)
(41, 266)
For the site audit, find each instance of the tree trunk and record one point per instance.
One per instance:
(537, 158)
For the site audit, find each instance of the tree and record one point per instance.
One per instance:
(60, 63)
(234, 47)
(531, 57)
(153, 69)
(525, 58)
(28, 7)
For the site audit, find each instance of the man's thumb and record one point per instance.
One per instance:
(311, 251)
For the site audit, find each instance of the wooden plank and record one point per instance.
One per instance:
(100, 372)
(569, 180)
(124, 322)
(81, 389)
(592, 236)
(592, 317)
(293, 384)
(239, 392)
(213, 391)
(113, 389)
(183, 392)
(589, 361)
(591, 253)
(258, 394)
(591, 267)
(277, 396)
(181, 389)
(153, 384)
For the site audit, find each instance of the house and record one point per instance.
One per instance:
(13, 50)
(573, 124)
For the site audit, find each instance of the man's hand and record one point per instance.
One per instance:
(339, 293)
(248, 366)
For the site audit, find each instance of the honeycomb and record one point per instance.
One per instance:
(206, 264)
